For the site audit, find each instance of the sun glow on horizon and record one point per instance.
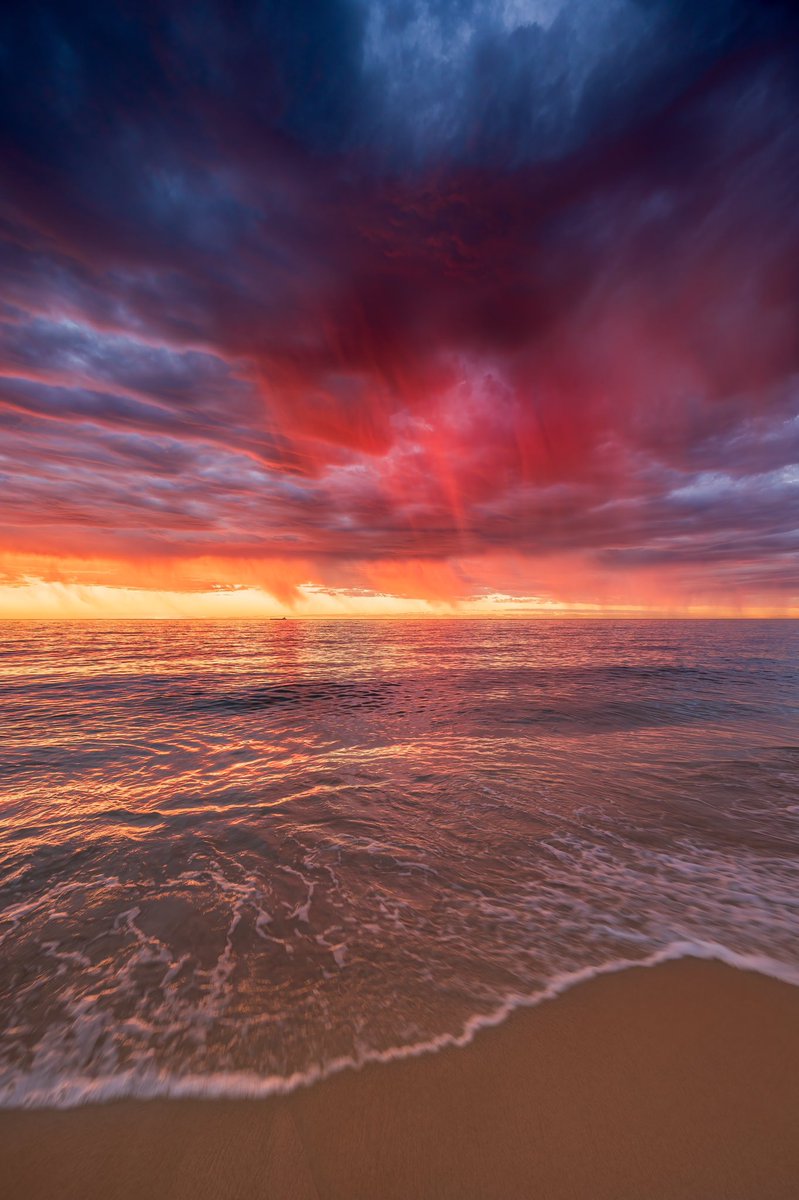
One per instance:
(58, 601)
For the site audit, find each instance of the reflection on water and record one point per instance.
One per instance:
(259, 848)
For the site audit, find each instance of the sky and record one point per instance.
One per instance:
(372, 307)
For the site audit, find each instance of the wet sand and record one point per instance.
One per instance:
(676, 1081)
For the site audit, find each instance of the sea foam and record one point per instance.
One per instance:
(37, 1090)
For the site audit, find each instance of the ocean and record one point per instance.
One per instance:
(235, 857)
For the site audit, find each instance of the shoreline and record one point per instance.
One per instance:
(238, 1085)
(674, 1080)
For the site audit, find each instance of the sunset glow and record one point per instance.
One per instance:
(437, 333)
(399, 599)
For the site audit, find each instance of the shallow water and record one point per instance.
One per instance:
(233, 856)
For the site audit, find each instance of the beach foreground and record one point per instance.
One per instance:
(680, 1080)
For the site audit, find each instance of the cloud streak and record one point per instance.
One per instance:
(438, 300)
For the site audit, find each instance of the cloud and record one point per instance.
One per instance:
(429, 298)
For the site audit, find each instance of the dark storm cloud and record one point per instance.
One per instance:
(402, 279)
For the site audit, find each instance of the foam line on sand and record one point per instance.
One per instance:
(680, 1081)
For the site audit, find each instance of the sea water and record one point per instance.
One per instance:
(237, 856)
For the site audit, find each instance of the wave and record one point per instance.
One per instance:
(37, 1090)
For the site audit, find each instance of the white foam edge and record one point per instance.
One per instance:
(35, 1091)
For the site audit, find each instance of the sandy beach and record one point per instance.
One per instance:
(676, 1081)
